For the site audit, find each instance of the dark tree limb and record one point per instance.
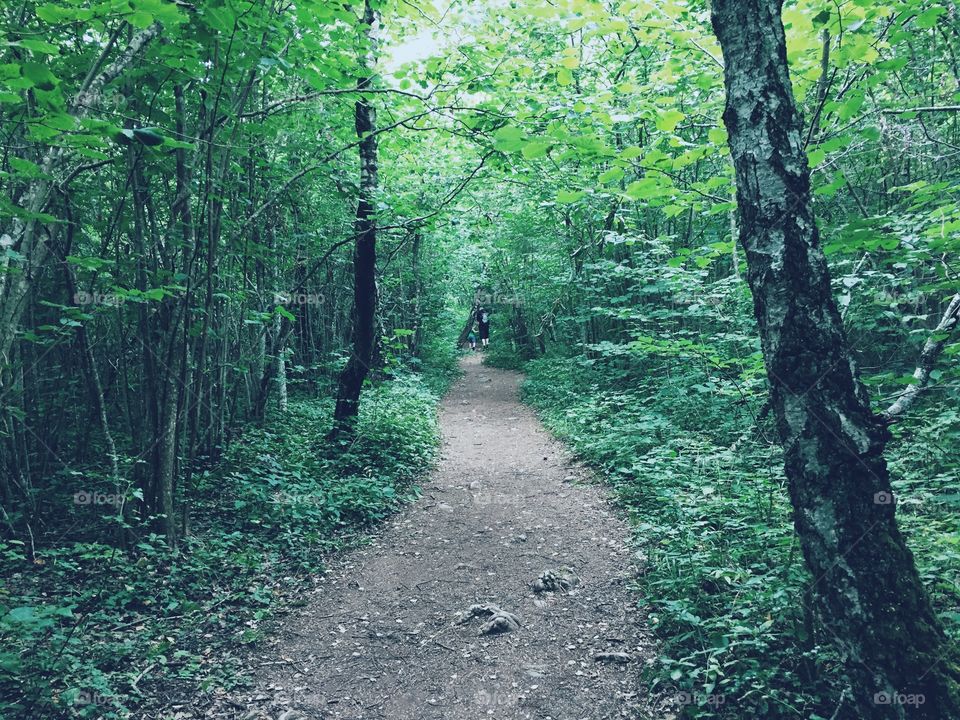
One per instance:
(363, 334)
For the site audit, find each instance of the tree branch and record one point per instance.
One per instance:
(925, 109)
(307, 97)
(447, 199)
(323, 161)
(928, 356)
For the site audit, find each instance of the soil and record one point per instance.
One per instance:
(509, 531)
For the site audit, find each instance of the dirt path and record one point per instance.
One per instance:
(381, 637)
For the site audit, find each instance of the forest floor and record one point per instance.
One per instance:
(387, 633)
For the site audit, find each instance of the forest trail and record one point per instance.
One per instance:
(380, 638)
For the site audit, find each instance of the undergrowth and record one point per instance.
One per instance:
(720, 571)
(86, 627)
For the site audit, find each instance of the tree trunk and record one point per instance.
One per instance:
(282, 381)
(522, 334)
(363, 333)
(167, 456)
(467, 326)
(416, 340)
(24, 235)
(870, 597)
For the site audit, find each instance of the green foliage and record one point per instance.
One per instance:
(719, 570)
(183, 207)
(86, 628)
(502, 354)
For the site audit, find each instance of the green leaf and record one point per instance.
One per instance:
(611, 175)
(220, 18)
(25, 167)
(148, 136)
(668, 120)
(509, 138)
(140, 19)
(39, 75)
(674, 210)
(88, 263)
(646, 189)
(38, 46)
(816, 156)
(569, 196)
(718, 136)
(536, 149)
(54, 14)
(851, 106)
(928, 18)
(22, 614)
(822, 17)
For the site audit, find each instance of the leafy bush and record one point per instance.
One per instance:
(85, 627)
(502, 355)
(720, 570)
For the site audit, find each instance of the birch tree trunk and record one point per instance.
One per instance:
(282, 380)
(870, 596)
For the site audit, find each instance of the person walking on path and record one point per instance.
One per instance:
(483, 325)
(472, 339)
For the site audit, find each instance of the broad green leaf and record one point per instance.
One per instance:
(718, 136)
(38, 46)
(54, 14)
(668, 120)
(569, 196)
(536, 149)
(611, 175)
(816, 156)
(509, 138)
(39, 75)
(140, 19)
(928, 18)
(148, 136)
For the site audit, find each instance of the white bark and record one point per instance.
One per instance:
(928, 357)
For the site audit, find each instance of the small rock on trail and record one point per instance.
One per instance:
(559, 580)
(498, 620)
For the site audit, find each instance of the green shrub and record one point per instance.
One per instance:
(721, 573)
(80, 622)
